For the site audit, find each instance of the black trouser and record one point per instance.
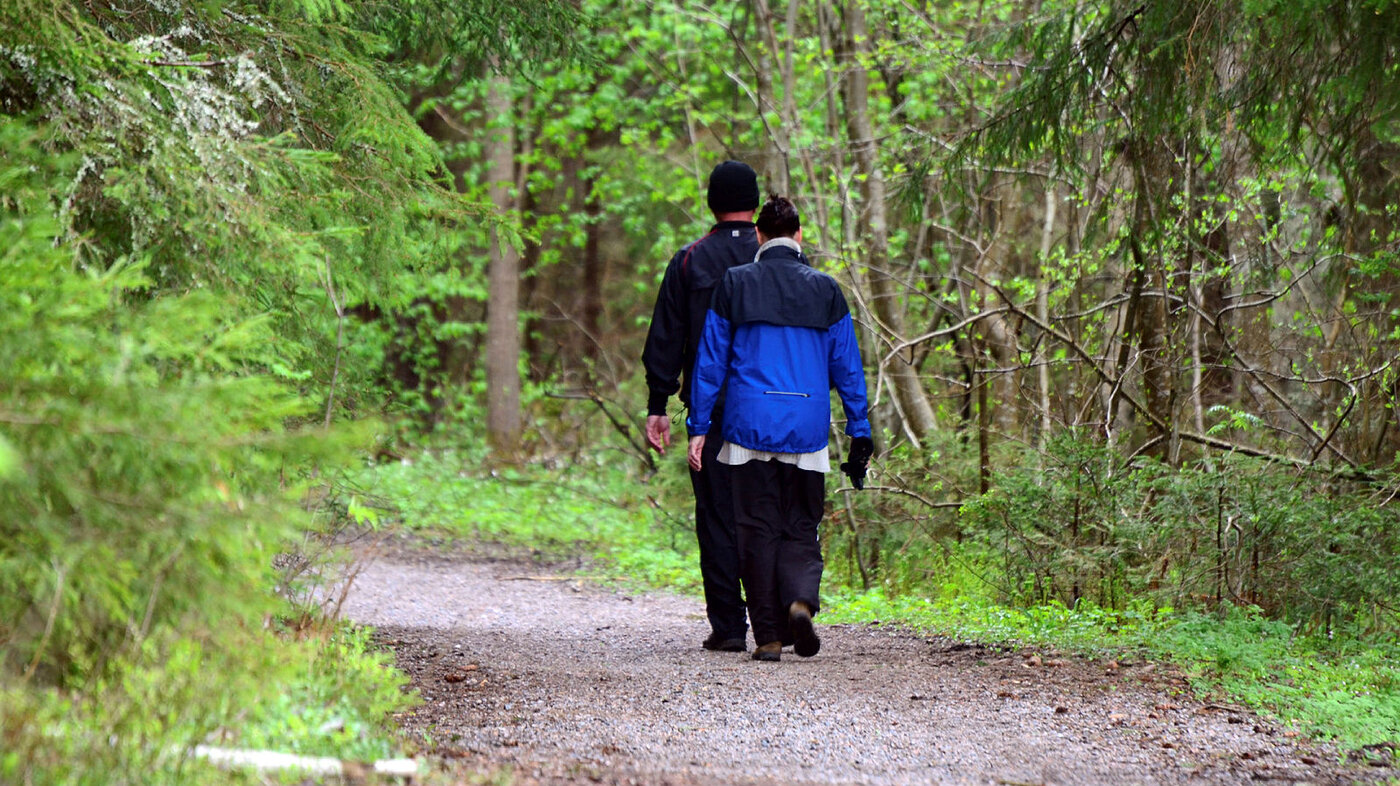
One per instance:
(777, 509)
(714, 530)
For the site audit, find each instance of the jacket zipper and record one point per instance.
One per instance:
(785, 393)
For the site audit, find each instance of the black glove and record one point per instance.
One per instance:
(862, 448)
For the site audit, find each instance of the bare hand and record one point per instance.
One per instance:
(658, 432)
(697, 445)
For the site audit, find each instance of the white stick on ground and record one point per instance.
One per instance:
(265, 761)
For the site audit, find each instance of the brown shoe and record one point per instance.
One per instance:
(806, 642)
(771, 651)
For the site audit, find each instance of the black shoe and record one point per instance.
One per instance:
(772, 651)
(800, 617)
(718, 643)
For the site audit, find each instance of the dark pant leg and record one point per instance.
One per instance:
(757, 517)
(719, 552)
(799, 562)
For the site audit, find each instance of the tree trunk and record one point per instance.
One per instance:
(1042, 311)
(885, 302)
(595, 271)
(1153, 326)
(774, 119)
(998, 335)
(530, 295)
(503, 282)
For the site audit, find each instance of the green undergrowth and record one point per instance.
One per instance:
(620, 524)
(322, 695)
(338, 701)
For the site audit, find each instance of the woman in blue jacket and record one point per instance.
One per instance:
(777, 338)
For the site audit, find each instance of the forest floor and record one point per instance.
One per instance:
(555, 679)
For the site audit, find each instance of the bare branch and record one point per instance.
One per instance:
(193, 63)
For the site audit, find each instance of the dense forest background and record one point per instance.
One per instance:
(1125, 275)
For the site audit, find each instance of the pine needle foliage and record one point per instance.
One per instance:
(1286, 73)
(194, 196)
(141, 498)
(506, 36)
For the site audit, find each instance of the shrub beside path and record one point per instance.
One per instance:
(563, 681)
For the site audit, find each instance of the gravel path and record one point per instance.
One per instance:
(566, 682)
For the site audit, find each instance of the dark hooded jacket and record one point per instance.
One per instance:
(679, 315)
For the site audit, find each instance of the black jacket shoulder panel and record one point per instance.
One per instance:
(781, 289)
(681, 304)
(728, 244)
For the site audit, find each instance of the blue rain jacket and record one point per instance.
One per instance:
(777, 338)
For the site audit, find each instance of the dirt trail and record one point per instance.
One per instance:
(568, 682)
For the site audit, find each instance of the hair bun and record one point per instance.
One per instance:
(778, 217)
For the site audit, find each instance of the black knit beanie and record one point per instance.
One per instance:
(733, 188)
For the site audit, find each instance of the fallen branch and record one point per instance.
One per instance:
(922, 499)
(273, 761)
(562, 578)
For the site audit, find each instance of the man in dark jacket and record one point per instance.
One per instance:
(669, 358)
(778, 337)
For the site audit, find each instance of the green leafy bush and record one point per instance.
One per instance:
(1304, 547)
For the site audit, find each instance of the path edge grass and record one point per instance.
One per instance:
(637, 533)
